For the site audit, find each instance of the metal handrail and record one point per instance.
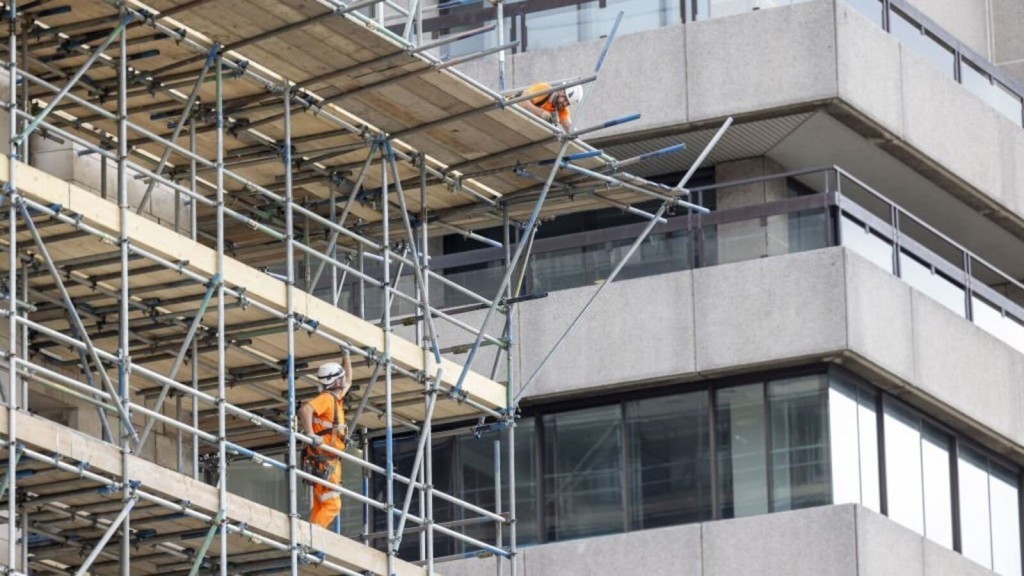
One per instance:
(832, 199)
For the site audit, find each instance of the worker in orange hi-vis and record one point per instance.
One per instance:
(323, 418)
(553, 105)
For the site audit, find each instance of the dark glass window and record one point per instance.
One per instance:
(669, 460)
(799, 456)
(583, 473)
(404, 454)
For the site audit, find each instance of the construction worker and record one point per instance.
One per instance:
(554, 104)
(323, 419)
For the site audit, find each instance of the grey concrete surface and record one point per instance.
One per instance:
(940, 561)
(928, 96)
(885, 547)
(966, 368)
(868, 60)
(642, 73)
(1007, 31)
(760, 60)
(879, 319)
(820, 541)
(654, 340)
(673, 551)
(844, 540)
(1010, 162)
(757, 312)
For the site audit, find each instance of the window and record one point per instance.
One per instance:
(975, 525)
(583, 473)
(903, 469)
(726, 450)
(799, 455)
(741, 445)
(669, 460)
(989, 513)
(938, 506)
(853, 433)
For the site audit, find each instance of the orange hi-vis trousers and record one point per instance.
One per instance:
(326, 503)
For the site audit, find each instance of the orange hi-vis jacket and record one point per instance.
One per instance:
(546, 102)
(328, 418)
(327, 413)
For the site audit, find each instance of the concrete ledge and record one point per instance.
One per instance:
(829, 304)
(760, 312)
(844, 540)
(654, 340)
(758, 60)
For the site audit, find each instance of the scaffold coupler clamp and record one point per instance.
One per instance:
(458, 394)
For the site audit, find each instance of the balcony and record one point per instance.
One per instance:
(825, 207)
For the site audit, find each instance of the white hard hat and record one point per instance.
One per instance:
(329, 372)
(574, 94)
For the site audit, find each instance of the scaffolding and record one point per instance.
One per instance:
(308, 151)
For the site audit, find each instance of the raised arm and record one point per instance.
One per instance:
(346, 363)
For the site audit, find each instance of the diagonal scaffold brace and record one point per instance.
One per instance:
(76, 319)
(129, 504)
(34, 123)
(457, 392)
(681, 187)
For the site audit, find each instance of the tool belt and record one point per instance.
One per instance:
(316, 463)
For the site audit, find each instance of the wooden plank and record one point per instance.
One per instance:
(49, 437)
(166, 243)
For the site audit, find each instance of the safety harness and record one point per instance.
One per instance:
(317, 463)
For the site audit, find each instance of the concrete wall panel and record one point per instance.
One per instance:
(968, 369)
(885, 547)
(760, 311)
(759, 60)
(941, 561)
(868, 60)
(674, 551)
(928, 97)
(816, 542)
(643, 72)
(654, 340)
(1007, 30)
(879, 320)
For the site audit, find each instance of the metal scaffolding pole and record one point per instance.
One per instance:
(426, 495)
(510, 403)
(186, 114)
(120, 522)
(124, 398)
(389, 439)
(11, 192)
(222, 458)
(289, 243)
(534, 215)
